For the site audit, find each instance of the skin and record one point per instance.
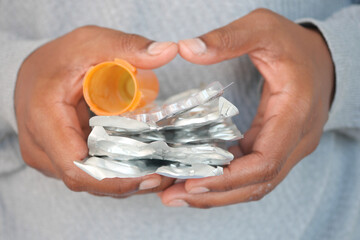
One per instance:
(299, 83)
(297, 93)
(52, 115)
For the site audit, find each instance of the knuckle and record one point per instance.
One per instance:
(317, 140)
(271, 169)
(259, 193)
(313, 144)
(311, 149)
(257, 196)
(29, 160)
(70, 179)
(85, 29)
(123, 188)
(266, 18)
(121, 191)
(228, 183)
(127, 43)
(262, 12)
(225, 38)
(83, 33)
(27, 155)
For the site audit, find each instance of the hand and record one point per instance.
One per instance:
(299, 80)
(52, 116)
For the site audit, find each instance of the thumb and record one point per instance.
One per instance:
(242, 36)
(108, 44)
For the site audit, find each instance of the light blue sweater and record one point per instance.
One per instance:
(319, 199)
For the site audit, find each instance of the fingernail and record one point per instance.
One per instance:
(195, 45)
(157, 48)
(149, 183)
(178, 203)
(196, 190)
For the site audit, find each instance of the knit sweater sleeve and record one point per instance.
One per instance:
(14, 49)
(342, 34)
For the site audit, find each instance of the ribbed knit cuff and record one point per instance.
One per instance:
(342, 34)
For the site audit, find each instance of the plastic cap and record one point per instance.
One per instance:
(115, 87)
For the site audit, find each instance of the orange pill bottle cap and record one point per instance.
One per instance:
(115, 87)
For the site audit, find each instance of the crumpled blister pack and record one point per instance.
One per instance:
(179, 138)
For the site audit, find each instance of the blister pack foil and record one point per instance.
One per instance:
(178, 104)
(214, 111)
(106, 167)
(179, 138)
(217, 132)
(124, 148)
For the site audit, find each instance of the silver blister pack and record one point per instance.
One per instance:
(214, 111)
(106, 167)
(222, 131)
(178, 104)
(124, 148)
(178, 137)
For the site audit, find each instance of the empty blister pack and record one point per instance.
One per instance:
(124, 148)
(178, 104)
(106, 167)
(214, 111)
(217, 132)
(177, 138)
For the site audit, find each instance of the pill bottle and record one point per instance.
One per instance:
(115, 87)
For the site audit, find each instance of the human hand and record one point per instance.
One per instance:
(299, 81)
(51, 113)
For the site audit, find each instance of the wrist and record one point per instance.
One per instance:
(324, 59)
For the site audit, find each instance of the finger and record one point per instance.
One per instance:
(221, 183)
(178, 195)
(78, 180)
(248, 168)
(143, 188)
(236, 151)
(165, 182)
(235, 39)
(68, 145)
(83, 114)
(58, 116)
(59, 132)
(247, 143)
(277, 139)
(118, 196)
(109, 44)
